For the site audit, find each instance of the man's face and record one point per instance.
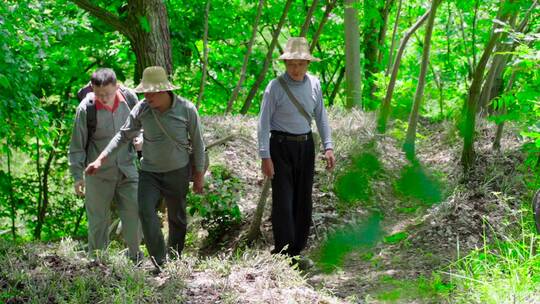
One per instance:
(297, 69)
(105, 93)
(157, 100)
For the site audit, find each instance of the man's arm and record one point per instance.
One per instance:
(77, 149)
(321, 119)
(128, 131)
(196, 135)
(263, 131)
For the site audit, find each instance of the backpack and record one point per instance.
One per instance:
(91, 112)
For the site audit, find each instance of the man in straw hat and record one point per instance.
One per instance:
(286, 145)
(171, 128)
(99, 116)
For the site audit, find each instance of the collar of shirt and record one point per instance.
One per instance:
(117, 100)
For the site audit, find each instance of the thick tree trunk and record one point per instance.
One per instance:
(385, 108)
(146, 27)
(352, 56)
(468, 154)
(238, 86)
(409, 145)
(205, 55)
(262, 73)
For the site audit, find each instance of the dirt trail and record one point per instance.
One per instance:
(433, 233)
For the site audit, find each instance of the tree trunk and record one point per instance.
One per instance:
(336, 87)
(352, 56)
(385, 12)
(464, 40)
(13, 214)
(409, 145)
(262, 73)
(500, 126)
(42, 212)
(329, 7)
(393, 44)
(254, 229)
(370, 45)
(205, 55)
(236, 90)
(467, 155)
(146, 27)
(493, 84)
(385, 108)
(307, 21)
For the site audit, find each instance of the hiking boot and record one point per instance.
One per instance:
(136, 259)
(302, 263)
(158, 266)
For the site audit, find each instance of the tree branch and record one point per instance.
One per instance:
(103, 15)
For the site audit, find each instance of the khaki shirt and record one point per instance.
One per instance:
(108, 124)
(160, 153)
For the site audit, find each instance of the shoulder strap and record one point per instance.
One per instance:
(128, 96)
(178, 144)
(293, 99)
(91, 119)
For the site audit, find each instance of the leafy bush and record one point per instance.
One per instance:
(218, 206)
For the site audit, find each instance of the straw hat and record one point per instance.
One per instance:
(297, 48)
(154, 79)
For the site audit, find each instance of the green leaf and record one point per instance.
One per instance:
(4, 82)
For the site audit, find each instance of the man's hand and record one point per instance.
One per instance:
(330, 159)
(198, 182)
(79, 188)
(267, 167)
(138, 142)
(93, 167)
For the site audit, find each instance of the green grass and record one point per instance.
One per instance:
(506, 271)
(429, 290)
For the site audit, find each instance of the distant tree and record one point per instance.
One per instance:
(409, 145)
(352, 55)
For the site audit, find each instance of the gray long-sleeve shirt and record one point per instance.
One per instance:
(108, 123)
(160, 153)
(279, 113)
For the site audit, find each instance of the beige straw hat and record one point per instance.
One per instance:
(154, 79)
(297, 48)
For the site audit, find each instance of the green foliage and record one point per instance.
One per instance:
(355, 183)
(396, 237)
(362, 234)
(218, 206)
(507, 271)
(432, 289)
(418, 184)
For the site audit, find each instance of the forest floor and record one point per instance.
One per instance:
(418, 236)
(416, 239)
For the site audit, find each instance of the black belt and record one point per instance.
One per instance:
(291, 137)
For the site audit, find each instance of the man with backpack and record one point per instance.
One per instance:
(172, 132)
(287, 150)
(104, 108)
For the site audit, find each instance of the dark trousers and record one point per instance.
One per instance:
(173, 186)
(292, 184)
